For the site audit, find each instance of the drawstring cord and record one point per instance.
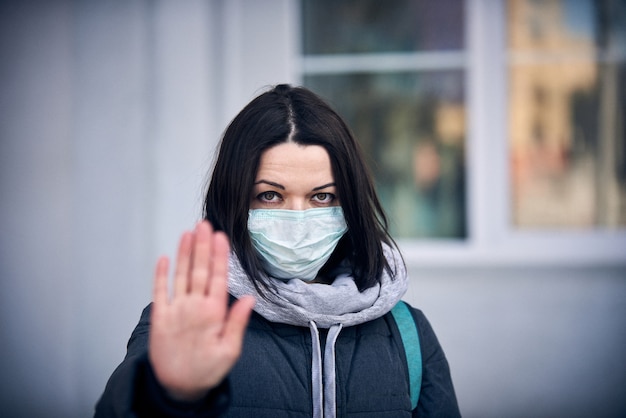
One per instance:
(330, 394)
(323, 380)
(316, 371)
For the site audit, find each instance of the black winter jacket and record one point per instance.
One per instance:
(272, 379)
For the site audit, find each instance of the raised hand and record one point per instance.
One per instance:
(195, 339)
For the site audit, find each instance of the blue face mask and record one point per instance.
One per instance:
(295, 244)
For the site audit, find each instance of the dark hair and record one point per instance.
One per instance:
(296, 114)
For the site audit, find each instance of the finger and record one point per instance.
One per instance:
(160, 296)
(182, 264)
(237, 321)
(200, 258)
(217, 287)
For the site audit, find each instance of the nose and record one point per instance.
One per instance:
(297, 204)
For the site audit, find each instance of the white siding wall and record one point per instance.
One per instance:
(109, 114)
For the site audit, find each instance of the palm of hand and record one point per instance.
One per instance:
(195, 338)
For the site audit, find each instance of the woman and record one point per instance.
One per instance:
(281, 297)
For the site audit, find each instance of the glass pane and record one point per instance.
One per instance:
(412, 127)
(567, 102)
(360, 26)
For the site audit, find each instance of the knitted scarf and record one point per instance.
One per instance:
(332, 306)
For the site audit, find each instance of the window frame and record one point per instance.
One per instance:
(492, 238)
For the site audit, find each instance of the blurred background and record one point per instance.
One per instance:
(495, 130)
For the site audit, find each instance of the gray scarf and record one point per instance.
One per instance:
(332, 306)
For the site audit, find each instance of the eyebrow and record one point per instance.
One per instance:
(323, 187)
(280, 186)
(271, 183)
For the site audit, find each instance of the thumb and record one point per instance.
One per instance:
(237, 321)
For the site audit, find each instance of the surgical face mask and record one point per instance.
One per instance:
(295, 244)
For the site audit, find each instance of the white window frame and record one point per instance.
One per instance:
(491, 237)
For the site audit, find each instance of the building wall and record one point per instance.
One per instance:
(109, 115)
(530, 341)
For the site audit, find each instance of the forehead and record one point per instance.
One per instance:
(290, 160)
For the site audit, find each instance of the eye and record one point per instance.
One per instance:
(324, 198)
(269, 197)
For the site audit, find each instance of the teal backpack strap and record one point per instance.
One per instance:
(410, 339)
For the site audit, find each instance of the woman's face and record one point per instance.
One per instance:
(294, 177)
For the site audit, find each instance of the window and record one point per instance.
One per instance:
(567, 102)
(396, 71)
(495, 129)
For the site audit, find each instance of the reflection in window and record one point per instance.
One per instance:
(408, 114)
(366, 26)
(566, 113)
